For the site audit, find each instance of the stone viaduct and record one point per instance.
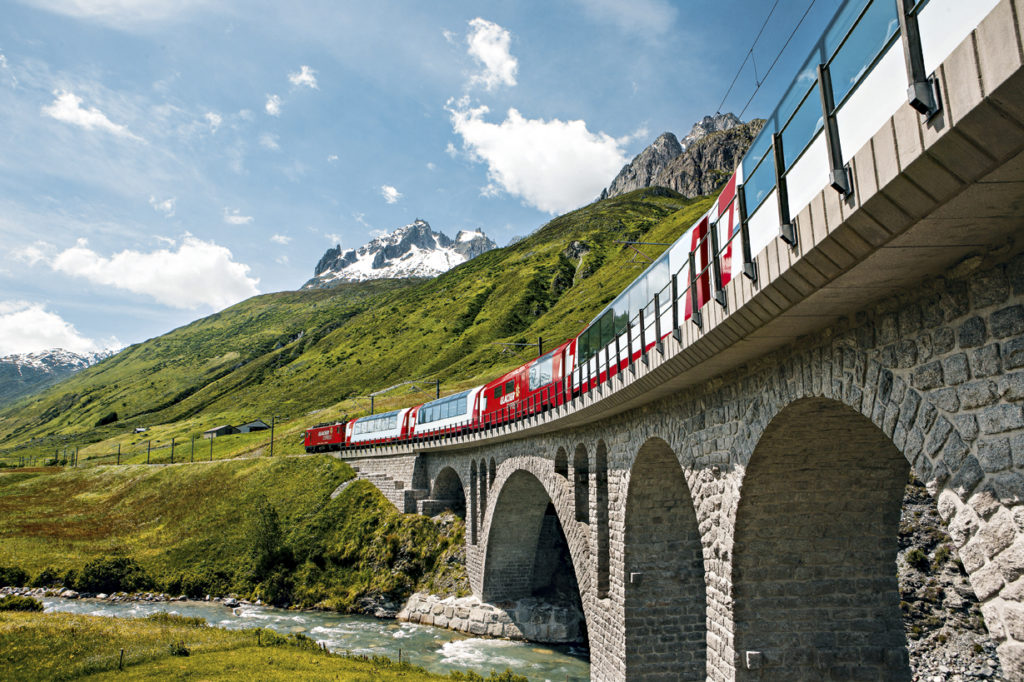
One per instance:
(730, 505)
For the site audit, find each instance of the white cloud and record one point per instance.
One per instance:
(67, 108)
(333, 238)
(553, 165)
(280, 239)
(4, 66)
(269, 141)
(214, 120)
(645, 17)
(306, 76)
(29, 327)
(361, 219)
(390, 194)
(281, 260)
(332, 158)
(165, 240)
(198, 274)
(450, 150)
(378, 233)
(34, 253)
(118, 13)
(449, 36)
(489, 45)
(166, 206)
(431, 166)
(234, 217)
(273, 105)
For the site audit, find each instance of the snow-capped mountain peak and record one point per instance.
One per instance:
(54, 360)
(413, 250)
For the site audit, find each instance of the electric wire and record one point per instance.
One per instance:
(750, 53)
(777, 57)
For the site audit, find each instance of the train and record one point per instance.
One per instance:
(672, 289)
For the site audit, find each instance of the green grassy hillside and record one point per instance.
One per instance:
(263, 527)
(310, 355)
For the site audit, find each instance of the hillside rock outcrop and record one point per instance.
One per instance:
(694, 166)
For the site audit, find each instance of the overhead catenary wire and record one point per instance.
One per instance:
(750, 53)
(760, 80)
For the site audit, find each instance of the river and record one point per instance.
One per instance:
(435, 649)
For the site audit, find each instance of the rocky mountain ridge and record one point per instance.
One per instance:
(24, 373)
(414, 250)
(693, 166)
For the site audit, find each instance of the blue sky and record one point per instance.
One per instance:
(162, 159)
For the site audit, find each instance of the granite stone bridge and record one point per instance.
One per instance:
(728, 507)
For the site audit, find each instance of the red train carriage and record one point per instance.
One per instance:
(532, 388)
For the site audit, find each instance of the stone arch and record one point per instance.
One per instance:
(528, 553)
(482, 477)
(448, 493)
(562, 463)
(581, 483)
(490, 476)
(815, 589)
(664, 613)
(603, 553)
(472, 503)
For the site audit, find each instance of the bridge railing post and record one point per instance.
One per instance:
(676, 332)
(657, 323)
(749, 265)
(695, 314)
(643, 338)
(786, 227)
(716, 268)
(922, 92)
(838, 173)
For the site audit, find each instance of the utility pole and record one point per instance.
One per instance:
(118, 453)
(437, 389)
(211, 447)
(172, 450)
(149, 447)
(273, 421)
(192, 455)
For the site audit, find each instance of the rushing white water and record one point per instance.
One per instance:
(433, 648)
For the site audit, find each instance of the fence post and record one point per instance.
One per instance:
(657, 323)
(149, 448)
(211, 447)
(172, 449)
(118, 453)
(192, 455)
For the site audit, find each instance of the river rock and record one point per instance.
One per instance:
(69, 594)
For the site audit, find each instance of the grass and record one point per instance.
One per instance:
(308, 355)
(56, 646)
(190, 527)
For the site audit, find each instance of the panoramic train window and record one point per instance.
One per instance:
(445, 408)
(540, 372)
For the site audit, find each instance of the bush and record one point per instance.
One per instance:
(179, 649)
(48, 577)
(13, 602)
(164, 618)
(917, 558)
(113, 574)
(107, 419)
(12, 576)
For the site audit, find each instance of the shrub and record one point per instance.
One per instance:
(13, 576)
(164, 618)
(48, 577)
(113, 574)
(13, 602)
(179, 649)
(917, 558)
